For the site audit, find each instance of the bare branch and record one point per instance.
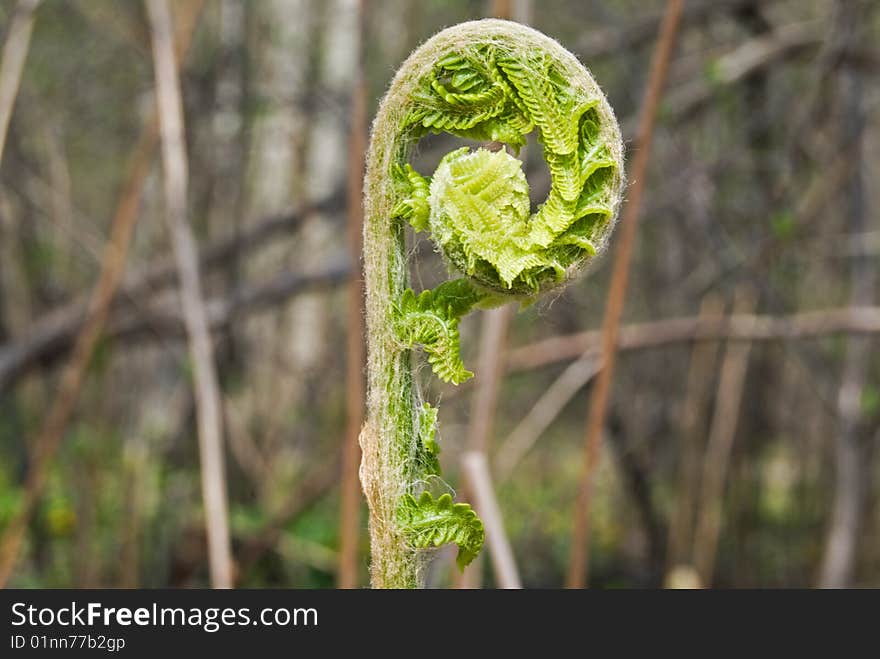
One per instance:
(15, 51)
(577, 569)
(113, 265)
(752, 55)
(51, 337)
(207, 388)
(349, 518)
(543, 413)
(484, 405)
(852, 468)
(479, 482)
(605, 42)
(736, 327)
(719, 447)
(692, 424)
(490, 367)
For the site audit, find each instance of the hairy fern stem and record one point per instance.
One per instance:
(487, 80)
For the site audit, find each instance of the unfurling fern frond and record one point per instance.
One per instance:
(428, 522)
(487, 81)
(477, 201)
(430, 319)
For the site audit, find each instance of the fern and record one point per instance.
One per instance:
(485, 81)
(428, 522)
(430, 319)
(476, 203)
(413, 205)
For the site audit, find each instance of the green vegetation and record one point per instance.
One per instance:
(487, 81)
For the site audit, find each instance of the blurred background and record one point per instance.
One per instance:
(160, 332)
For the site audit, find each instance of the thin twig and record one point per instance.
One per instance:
(852, 466)
(721, 435)
(51, 336)
(501, 9)
(51, 433)
(736, 327)
(692, 428)
(543, 412)
(484, 404)
(476, 472)
(755, 54)
(15, 51)
(611, 41)
(349, 518)
(490, 367)
(207, 389)
(153, 322)
(577, 570)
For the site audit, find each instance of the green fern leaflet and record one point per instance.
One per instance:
(429, 522)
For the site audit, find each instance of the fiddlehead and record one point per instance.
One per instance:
(486, 81)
